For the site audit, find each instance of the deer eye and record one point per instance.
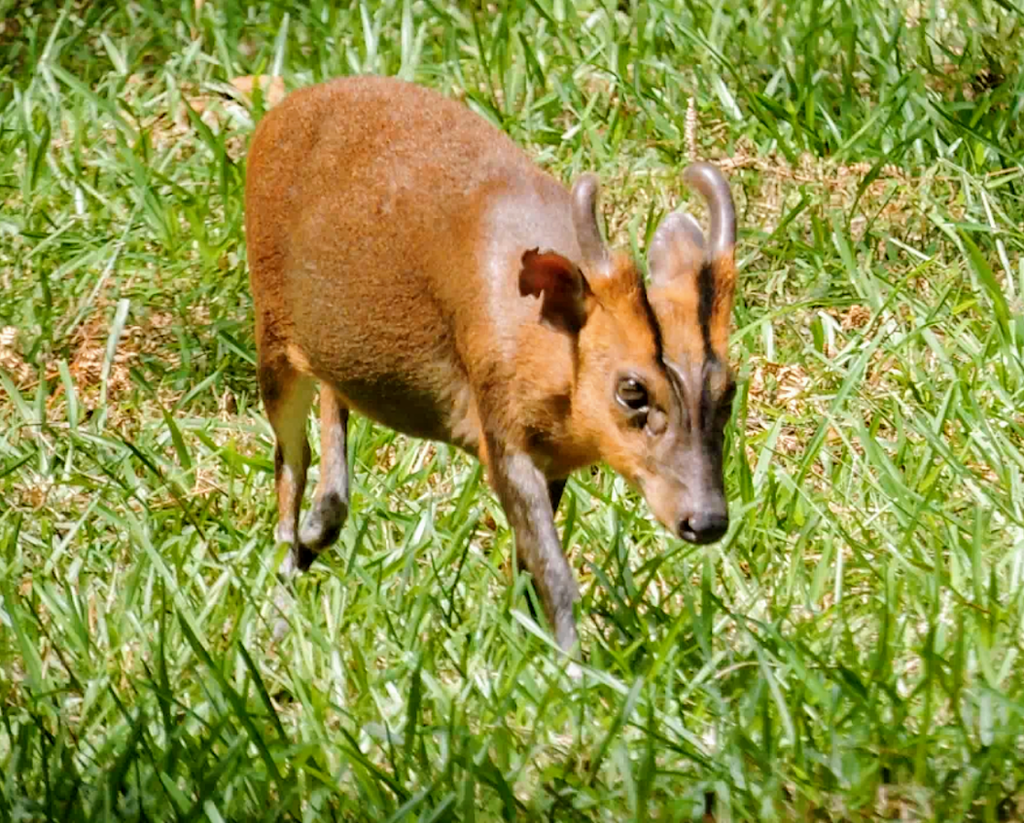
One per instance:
(632, 394)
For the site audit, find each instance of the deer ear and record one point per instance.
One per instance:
(562, 286)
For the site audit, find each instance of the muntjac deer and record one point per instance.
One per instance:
(409, 257)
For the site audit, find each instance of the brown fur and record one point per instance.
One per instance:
(724, 279)
(394, 247)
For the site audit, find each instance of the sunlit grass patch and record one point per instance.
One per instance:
(850, 651)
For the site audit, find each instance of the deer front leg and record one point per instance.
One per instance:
(524, 494)
(555, 489)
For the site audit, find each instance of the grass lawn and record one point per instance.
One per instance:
(850, 651)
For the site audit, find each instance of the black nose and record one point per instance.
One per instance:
(704, 527)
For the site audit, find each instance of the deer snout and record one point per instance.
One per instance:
(704, 513)
(697, 512)
(705, 524)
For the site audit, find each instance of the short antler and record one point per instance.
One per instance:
(584, 218)
(712, 185)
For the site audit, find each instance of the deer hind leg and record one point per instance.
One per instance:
(287, 395)
(330, 501)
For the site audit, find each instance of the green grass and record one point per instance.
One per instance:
(851, 650)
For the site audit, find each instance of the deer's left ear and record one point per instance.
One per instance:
(561, 285)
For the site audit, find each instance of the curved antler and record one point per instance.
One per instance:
(584, 219)
(711, 183)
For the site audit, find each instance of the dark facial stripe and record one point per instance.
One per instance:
(652, 320)
(706, 297)
(672, 370)
(675, 375)
(706, 407)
